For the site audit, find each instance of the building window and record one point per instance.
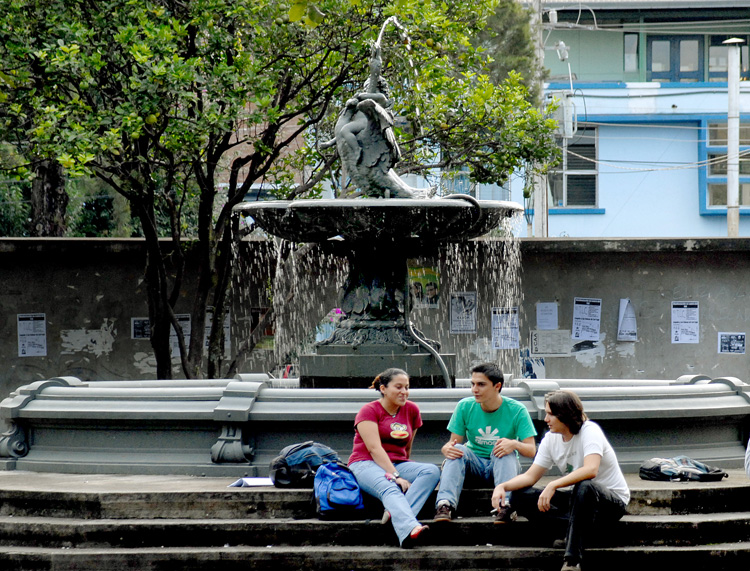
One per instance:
(573, 183)
(630, 51)
(716, 169)
(675, 58)
(718, 58)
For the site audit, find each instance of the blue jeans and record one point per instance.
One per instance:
(492, 469)
(403, 508)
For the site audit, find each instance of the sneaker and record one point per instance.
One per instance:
(444, 513)
(568, 566)
(558, 544)
(505, 514)
(386, 517)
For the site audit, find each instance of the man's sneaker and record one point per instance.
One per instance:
(505, 514)
(444, 513)
(559, 544)
(567, 566)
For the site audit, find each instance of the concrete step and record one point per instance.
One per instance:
(717, 557)
(679, 530)
(102, 522)
(263, 503)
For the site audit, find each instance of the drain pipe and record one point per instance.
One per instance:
(430, 349)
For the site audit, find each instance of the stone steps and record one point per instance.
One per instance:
(136, 533)
(717, 557)
(104, 523)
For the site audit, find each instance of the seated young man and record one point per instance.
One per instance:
(487, 433)
(578, 447)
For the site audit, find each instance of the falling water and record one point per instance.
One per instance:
(491, 267)
(305, 290)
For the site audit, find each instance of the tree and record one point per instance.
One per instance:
(165, 99)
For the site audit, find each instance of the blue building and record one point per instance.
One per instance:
(644, 86)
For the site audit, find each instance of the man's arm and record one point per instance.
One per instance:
(588, 471)
(528, 478)
(505, 446)
(449, 449)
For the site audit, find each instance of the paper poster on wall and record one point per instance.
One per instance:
(732, 343)
(685, 322)
(546, 315)
(184, 320)
(532, 367)
(424, 286)
(32, 334)
(140, 328)
(550, 343)
(587, 315)
(505, 332)
(626, 325)
(463, 312)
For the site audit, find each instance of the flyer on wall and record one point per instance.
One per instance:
(463, 312)
(505, 333)
(32, 334)
(685, 322)
(587, 315)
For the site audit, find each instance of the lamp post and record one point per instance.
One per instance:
(733, 136)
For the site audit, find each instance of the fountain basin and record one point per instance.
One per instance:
(234, 427)
(374, 219)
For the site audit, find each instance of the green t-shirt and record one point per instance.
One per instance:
(482, 429)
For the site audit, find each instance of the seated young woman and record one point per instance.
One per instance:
(383, 434)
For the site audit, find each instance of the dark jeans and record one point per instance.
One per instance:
(584, 510)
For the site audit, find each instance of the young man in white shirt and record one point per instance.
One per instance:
(578, 447)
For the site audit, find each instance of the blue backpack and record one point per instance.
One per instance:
(336, 492)
(295, 466)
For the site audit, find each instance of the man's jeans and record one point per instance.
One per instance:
(403, 508)
(585, 511)
(474, 468)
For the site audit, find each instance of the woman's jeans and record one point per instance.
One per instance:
(475, 468)
(403, 508)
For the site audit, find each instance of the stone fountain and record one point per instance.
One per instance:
(376, 234)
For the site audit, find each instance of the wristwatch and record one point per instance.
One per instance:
(396, 475)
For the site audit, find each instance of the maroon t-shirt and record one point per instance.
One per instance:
(395, 431)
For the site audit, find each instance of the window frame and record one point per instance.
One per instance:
(674, 75)
(565, 172)
(707, 150)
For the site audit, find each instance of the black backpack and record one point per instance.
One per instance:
(295, 466)
(681, 469)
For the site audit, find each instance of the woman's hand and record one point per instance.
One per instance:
(403, 484)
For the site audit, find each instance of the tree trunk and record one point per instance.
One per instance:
(159, 309)
(49, 201)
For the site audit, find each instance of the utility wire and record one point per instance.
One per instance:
(685, 166)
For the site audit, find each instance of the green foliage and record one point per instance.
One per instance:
(14, 194)
(165, 101)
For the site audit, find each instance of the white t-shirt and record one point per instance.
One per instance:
(568, 456)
